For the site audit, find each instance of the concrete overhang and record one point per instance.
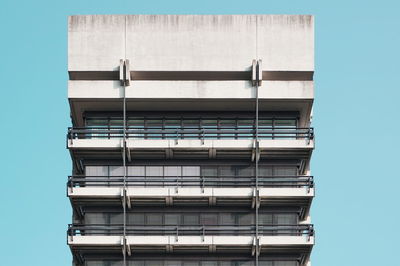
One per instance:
(177, 196)
(83, 149)
(87, 96)
(268, 244)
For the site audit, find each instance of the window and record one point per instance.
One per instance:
(154, 219)
(190, 219)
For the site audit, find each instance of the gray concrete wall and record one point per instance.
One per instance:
(191, 42)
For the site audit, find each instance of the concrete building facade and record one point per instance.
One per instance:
(191, 140)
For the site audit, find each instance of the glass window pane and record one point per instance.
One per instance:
(209, 123)
(95, 263)
(172, 219)
(227, 123)
(209, 263)
(244, 263)
(265, 170)
(173, 263)
(245, 218)
(154, 126)
(96, 170)
(116, 263)
(291, 123)
(227, 171)
(285, 171)
(245, 171)
(95, 218)
(285, 263)
(95, 122)
(190, 219)
(116, 175)
(136, 123)
(265, 122)
(209, 219)
(172, 124)
(190, 263)
(154, 263)
(117, 171)
(136, 175)
(266, 263)
(136, 218)
(136, 171)
(285, 218)
(136, 263)
(116, 123)
(116, 218)
(154, 219)
(154, 171)
(226, 219)
(209, 171)
(154, 123)
(265, 219)
(193, 123)
(172, 171)
(191, 171)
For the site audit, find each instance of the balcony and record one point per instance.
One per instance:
(192, 191)
(223, 239)
(160, 143)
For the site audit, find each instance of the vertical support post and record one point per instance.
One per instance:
(257, 71)
(125, 81)
(124, 165)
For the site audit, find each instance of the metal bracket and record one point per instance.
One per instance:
(255, 154)
(255, 251)
(124, 72)
(128, 152)
(212, 153)
(124, 195)
(256, 198)
(126, 248)
(259, 72)
(212, 201)
(256, 72)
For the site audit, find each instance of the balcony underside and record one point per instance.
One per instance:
(79, 106)
(301, 252)
(97, 149)
(150, 196)
(83, 246)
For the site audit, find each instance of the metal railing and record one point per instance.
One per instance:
(190, 181)
(191, 133)
(191, 230)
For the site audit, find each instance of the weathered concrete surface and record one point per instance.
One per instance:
(95, 42)
(156, 89)
(191, 42)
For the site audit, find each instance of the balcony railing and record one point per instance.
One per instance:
(191, 133)
(191, 230)
(191, 181)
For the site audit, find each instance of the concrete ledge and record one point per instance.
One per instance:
(267, 241)
(107, 89)
(165, 192)
(240, 144)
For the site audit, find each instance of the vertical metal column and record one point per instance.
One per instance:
(125, 174)
(125, 82)
(257, 83)
(256, 173)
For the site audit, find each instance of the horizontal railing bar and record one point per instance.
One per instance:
(76, 229)
(279, 181)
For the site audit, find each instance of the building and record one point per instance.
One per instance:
(191, 139)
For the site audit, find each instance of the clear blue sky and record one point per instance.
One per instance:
(356, 112)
